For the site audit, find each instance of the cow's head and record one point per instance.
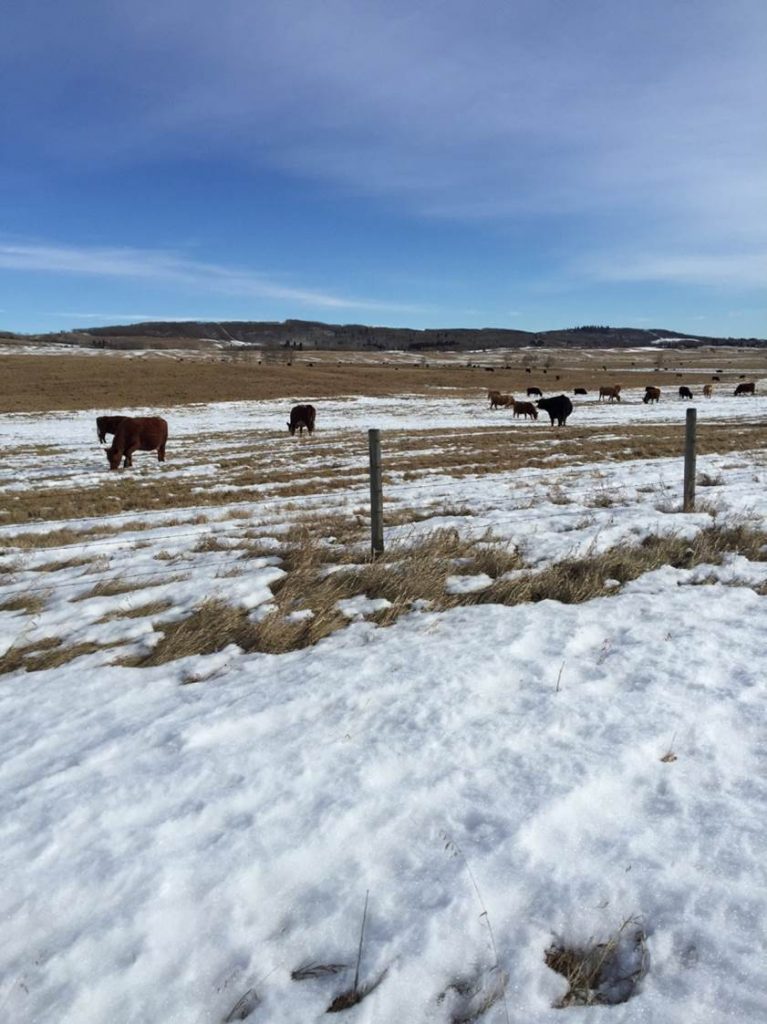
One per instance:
(113, 457)
(291, 428)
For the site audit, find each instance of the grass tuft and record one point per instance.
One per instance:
(601, 973)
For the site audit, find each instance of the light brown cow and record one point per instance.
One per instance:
(610, 392)
(708, 390)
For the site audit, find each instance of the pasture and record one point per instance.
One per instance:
(533, 726)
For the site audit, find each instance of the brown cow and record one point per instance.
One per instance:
(302, 416)
(107, 425)
(497, 399)
(525, 409)
(708, 390)
(142, 434)
(610, 391)
(651, 394)
(745, 389)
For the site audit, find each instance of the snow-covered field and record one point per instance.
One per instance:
(176, 840)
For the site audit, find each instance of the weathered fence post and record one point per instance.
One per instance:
(688, 500)
(376, 493)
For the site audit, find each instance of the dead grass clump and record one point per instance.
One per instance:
(575, 580)
(601, 973)
(559, 496)
(355, 995)
(709, 479)
(139, 612)
(56, 538)
(211, 627)
(210, 542)
(29, 603)
(601, 500)
(65, 563)
(15, 656)
(45, 654)
(111, 588)
(278, 633)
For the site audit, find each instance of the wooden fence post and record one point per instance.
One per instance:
(376, 493)
(688, 500)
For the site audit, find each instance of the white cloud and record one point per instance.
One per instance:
(736, 270)
(172, 268)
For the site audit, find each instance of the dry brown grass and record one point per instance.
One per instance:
(601, 973)
(139, 611)
(64, 563)
(46, 654)
(113, 587)
(78, 382)
(55, 538)
(417, 571)
(29, 603)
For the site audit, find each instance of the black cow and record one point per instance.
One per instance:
(580, 391)
(302, 416)
(745, 389)
(534, 391)
(558, 407)
(685, 392)
(107, 425)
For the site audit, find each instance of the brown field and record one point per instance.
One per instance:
(112, 381)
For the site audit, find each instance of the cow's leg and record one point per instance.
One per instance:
(129, 456)
(161, 452)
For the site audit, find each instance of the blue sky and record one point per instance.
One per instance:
(528, 163)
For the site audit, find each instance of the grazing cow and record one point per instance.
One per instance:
(685, 392)
(714, 377)
(651, 394)
(559, 408)
(610, 391)
(142, 434)
(499, 400)
(534, 391)
(580, 391)
(107, 425)
(745, 389)
(302, 416)
(525, 409)
(708, 390)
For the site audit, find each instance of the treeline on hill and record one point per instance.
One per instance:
(311, 334)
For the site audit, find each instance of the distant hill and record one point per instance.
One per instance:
(311, 334)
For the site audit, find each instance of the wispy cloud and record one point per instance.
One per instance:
(173, 268)
(738, 270)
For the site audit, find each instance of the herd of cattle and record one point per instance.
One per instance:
(560, 407)
(150, 433)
